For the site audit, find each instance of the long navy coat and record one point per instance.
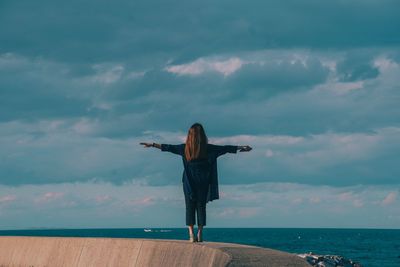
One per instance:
(200, 177)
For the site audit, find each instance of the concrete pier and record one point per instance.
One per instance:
(85, 252)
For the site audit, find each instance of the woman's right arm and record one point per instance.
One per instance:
(151, 145)
(176, 149)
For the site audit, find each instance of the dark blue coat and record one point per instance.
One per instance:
(200, 177)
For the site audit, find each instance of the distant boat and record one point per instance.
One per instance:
(147, 230)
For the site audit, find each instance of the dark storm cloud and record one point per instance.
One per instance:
(34, 89)
(357, 65)
(147, 32)
(271, 78)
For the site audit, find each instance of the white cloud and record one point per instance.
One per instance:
(385, 64)
(271, 204)
(227, 67)
(11, 60)
(315, 152)
(49, 196)
(135, 74)
(144, 201)
(260, 139)
(390, 198)
(269, 153)
(227, 212)
(314, 199)
(7, 198)
(201, 65)
(249, 212)
(346, 196)
(297, 200)
(103, 198)
(358, 203)
(106, 74)
(340, 88)
(85, 126)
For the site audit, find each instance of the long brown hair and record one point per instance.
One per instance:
(196, 143)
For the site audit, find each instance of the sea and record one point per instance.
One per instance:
(369, 247)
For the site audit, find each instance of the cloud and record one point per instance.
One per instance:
(345, 196)
(297, 201)
(357, 65)
(280, 103)
(389, 199)
(38, 88)
(49, 196)
(275, 201)
(270, 78)
(331, 158)
(103, 198)
(225, 67)
(258, 205)
(242, 213)
(290, 91)
(7, 199)
(264, 139)
(314, 200)
(269, 153)
(358, 203)
(145, 201)
(262, 76)
(107, 75)
(138, 31)
(141, 203)
(68, 150)
(35, 88)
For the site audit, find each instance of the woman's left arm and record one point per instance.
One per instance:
(222, 150)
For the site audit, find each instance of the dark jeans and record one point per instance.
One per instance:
(193, 207)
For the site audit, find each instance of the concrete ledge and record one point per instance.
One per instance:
(77, 251)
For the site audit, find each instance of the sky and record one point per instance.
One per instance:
(313, 86)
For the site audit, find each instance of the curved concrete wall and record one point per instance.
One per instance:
(75, 251)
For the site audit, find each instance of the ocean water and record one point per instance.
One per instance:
(370, 247)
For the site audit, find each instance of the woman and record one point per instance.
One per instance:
(200, 177)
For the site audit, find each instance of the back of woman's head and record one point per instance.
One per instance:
(196, 143)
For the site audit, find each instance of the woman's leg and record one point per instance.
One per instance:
(200, 233)
(191, 232)
(190, 217)
(201, 213)
(201, 219)
(190, 211)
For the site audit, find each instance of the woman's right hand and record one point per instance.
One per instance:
(147, 144)
(244, 148)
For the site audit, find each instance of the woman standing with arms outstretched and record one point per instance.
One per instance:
(200, 177)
